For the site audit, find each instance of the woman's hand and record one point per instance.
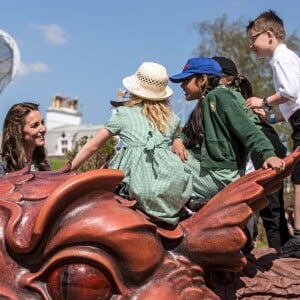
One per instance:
(179, 149)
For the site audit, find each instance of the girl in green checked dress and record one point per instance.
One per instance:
(154, 176)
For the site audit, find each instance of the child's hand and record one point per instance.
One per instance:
(274, 162)
(261, 112)
(179, 149)
(254, 102)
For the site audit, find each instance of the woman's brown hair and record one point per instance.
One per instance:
(12, 149)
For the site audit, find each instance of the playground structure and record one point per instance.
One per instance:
(68, 236)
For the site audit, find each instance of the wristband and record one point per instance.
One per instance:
(272, 119)
(266, 103)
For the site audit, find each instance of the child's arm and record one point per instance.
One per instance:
(179, 149)
(273, 118)
(256, 102)
(269, 116)
(91, 147)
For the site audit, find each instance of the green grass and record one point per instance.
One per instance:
(57, 163)
(261, 244)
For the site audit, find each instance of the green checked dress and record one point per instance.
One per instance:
(156, 177)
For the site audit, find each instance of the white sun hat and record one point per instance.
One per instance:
(149, 82)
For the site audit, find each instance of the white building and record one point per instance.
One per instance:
(64, 128)
(63, 111)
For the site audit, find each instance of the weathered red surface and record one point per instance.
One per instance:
(67, 236)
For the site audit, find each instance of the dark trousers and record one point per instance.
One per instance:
(274, 221)
(295, 123)
(273, 216)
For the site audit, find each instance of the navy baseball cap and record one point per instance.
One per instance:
(198, 65)
(228, 66)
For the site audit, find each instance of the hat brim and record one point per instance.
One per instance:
(180, 76)
(118, 103)
(132, 84)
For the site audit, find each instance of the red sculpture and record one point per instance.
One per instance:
(67, 236)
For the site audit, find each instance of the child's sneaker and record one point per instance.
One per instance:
(290, 249)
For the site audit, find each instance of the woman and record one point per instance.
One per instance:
(23, 140)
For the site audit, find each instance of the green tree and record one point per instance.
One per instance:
(96, 161)
(229, 38)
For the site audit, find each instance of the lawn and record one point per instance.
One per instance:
(57, 163)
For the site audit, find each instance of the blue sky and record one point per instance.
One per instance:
(84, 49)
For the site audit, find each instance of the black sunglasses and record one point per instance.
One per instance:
(253, 38)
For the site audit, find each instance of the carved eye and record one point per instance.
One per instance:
(78, 281)
(81, 273)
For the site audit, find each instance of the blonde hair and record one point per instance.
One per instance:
(268, 21)
(158, 113)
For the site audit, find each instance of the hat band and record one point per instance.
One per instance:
(152, 84)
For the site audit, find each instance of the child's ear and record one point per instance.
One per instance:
(203, 80)
(204, 83)
(270, 35)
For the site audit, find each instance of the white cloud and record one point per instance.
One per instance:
(52, 33)
(37, 67)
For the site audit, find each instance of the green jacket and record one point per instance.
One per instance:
(230, 135)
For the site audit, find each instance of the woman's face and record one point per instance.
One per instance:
(34, 130)
(192, 88)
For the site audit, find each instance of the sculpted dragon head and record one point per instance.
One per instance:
(67, 236)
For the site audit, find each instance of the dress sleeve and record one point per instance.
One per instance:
(178, 131)
(176, 122)
(2, 168)
(114, 124)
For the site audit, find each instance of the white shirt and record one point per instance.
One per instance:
(249, 167)
(286, 76)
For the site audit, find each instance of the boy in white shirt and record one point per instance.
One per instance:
(267, 39)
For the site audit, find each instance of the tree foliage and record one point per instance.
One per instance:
(96, 161)
(229, 38)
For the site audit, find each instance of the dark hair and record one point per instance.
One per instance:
(239, 83)
(193, 129)
(268, 20)
(13, 153)
(244, 86)
(233, 79)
